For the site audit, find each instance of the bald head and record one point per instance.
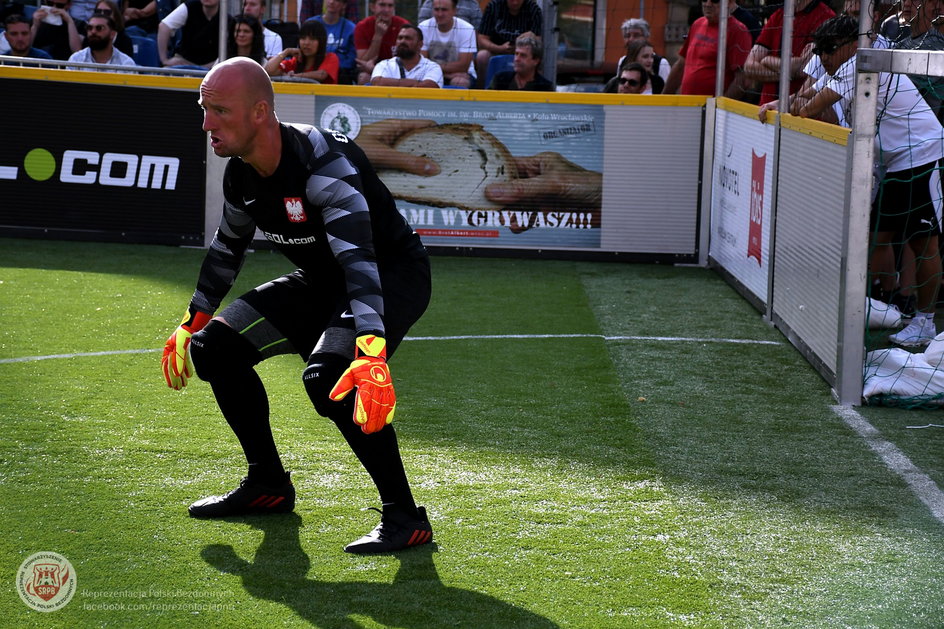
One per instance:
(240, 75)
(239, 114)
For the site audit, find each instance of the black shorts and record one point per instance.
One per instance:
(303, 312)
(905, 203)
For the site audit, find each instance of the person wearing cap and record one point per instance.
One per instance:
(910, 141)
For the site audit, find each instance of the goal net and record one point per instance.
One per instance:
(901, 77)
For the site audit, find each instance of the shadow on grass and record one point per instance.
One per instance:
(416, 598)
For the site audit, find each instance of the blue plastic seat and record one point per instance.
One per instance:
(145, 51)
(498, 63)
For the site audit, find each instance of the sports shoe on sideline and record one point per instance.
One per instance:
(249, 498)
(396, 531)
(918, 333)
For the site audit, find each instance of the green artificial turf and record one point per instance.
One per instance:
(603, 479)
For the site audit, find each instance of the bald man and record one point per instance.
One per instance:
(362, 280)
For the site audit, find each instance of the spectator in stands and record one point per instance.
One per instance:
(633, 79)
(311, 60)
(81, 10)
(745, 17)
(528, 55)
(923, 35)
(199, 42)
(272, 41)
(17, 35)
(468, 10)
(638, 28)
(246, 39)
(140, 17)
(450, 42)
(697, 65)
(910, 143)
(813, 71)
(376, 37)
(122, 42)
(503, 22)
(640, 51)
(313, 8)
(897, 25)
(56, 31)
(340, 38)
(409, 68)
(763, 63)
(101, 49)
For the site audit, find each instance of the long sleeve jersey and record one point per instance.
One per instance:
(324, 208)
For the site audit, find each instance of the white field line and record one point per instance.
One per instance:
(920, 483)
(677, 339)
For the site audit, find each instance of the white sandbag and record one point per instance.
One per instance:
(898, 373)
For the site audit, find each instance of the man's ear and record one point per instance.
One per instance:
(260, 111)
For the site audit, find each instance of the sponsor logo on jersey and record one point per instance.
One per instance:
(286, 240)
(295, 210)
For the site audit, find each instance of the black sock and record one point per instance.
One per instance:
(379, 453)
(242, 399)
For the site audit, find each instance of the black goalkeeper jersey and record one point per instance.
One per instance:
(325, 208)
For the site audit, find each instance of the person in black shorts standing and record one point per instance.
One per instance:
(362, 280)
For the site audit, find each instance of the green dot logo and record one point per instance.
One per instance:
(40, 164)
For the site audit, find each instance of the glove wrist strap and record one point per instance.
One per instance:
(370, 345)
(194, 320)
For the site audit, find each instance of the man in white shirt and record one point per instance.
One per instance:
(272, 41)
(450, 42)
(408, 68)
(909, 143)
(99, 34)
(199, 23)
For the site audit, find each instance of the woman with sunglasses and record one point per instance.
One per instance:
(310, 60)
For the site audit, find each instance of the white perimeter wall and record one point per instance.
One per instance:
(796, 206)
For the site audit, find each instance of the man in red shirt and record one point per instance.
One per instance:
(375, 37)
(763, 64)
(697, 65)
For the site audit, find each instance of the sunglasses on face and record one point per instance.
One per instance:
(629, 82)
(97, 27)
(101, 13)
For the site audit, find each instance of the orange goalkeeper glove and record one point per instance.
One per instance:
(176, 362)
(376, 399)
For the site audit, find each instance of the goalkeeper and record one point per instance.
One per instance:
(362, 280)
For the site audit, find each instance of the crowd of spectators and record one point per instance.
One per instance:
(331, 43)
(460, 37)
